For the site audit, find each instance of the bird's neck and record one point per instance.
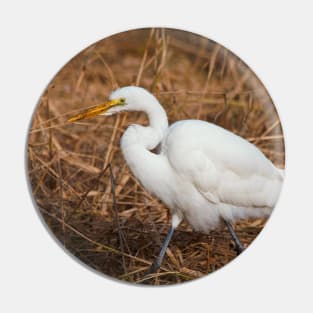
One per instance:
(150, 136)
(157, 118)
(137, 141)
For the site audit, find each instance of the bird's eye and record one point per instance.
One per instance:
(122, 101)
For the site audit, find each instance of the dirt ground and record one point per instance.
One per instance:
(68, 163)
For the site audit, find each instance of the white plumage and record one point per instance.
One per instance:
(202, 172)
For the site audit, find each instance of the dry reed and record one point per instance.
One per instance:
(80, 183)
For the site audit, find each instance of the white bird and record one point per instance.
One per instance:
(202, 172)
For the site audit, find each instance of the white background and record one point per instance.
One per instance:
(274, 38)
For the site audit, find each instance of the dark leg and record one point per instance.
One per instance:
(158, 261)
(239, 246)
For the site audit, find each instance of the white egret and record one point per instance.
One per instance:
(203, 173)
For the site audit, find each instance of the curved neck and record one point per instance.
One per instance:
(138, 140)
(157, 117)
(158, 124)
(150, 136)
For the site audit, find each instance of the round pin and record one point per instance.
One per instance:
(155, 156)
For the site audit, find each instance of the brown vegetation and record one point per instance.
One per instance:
(68, 164)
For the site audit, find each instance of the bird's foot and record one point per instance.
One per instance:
(239, 247)
(154, 267)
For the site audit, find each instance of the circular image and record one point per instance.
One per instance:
(155, 156)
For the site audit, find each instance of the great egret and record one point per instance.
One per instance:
(203, 173)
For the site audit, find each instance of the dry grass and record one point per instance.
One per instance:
(69, 168)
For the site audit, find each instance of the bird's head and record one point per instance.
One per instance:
(128, 98)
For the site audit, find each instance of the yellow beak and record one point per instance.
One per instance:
(96, 110)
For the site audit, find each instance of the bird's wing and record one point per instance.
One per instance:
(223, 167)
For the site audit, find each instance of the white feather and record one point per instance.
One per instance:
(203, 172)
